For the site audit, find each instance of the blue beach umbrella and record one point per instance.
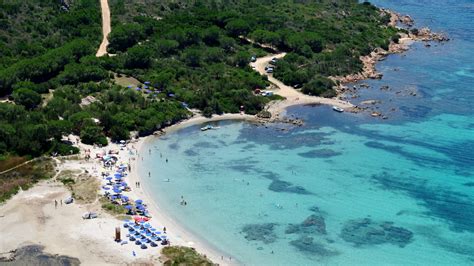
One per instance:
(152, 229)
(148, 234)
(128, 207)
(124, 198)
(138, 242)
(132, 238)
(118, 191)
(106, 188)
(147, 225)
(139, 201)
(143, 246)
(130, 86)
(147, 82)
(138, 89)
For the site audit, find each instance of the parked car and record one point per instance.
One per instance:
(69, 200)
(273, 61)
(269, 70)
(253, 59)
(89, 215)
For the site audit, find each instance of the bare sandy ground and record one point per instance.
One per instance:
(293, 97)
(106, 28)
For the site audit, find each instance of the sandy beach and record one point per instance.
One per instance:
(31, 217)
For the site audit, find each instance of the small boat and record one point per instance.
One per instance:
(206, 128)
(337, 109)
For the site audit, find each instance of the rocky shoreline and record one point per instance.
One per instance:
(407, 36)
(369, 61)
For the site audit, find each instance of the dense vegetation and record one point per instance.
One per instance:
(184, 54)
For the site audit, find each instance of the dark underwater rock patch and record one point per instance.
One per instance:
(469, 184)
(313, 224)
(206, 144)
(321, 153)
(190, 152)
(260, 232)
(283, 186)
(307, 245)
(34, 255)
(367, 232)
(453, 207)
(174, 146)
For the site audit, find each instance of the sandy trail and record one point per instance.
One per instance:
(106, 28)
(293, 97)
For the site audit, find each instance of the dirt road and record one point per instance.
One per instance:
(106, 28)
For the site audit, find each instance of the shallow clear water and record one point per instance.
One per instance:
(344, 188)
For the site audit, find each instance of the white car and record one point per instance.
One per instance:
(89, 215)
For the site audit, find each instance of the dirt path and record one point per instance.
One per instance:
(293, 97)
(106, 28)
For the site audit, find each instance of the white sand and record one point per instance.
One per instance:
(293, 97)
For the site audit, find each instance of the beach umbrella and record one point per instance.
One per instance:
(138, 89)
(105, 188)
(148, 234)
(125, 225)
(132, 238)
(109, 178)
(118, 175)
(147, 82)
(128, 207)
(130, 86)
(125, 198)
(152, 229)
(143, 246)
(138, 242)
(117, 190)
(147, 225)
(122, 141)
(153, 244)
(139, 201)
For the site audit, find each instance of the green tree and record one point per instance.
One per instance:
(26, 97)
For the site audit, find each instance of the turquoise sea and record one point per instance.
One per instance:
(344, 189)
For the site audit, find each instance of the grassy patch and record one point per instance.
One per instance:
(125, 81)
(83, 187)
(25, 177)
(183, 256)
(114, 209)
(7, 162)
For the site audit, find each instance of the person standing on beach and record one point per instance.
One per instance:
(55, 204)
(61, 202)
